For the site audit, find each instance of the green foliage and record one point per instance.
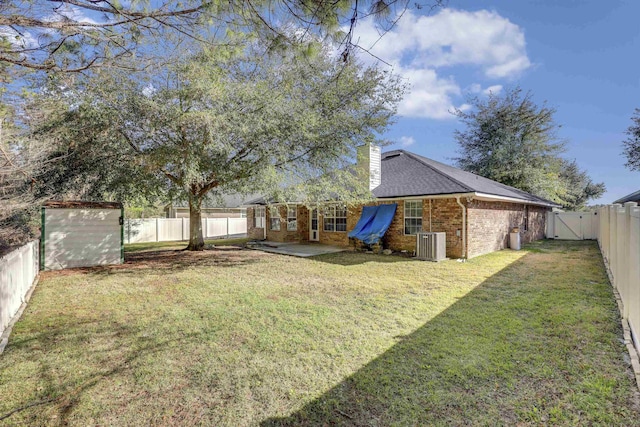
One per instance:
(632, 143)
(19, 158)
(222, 122)
(144, 209)
(55, 37)
(510, 139)
(578, 187)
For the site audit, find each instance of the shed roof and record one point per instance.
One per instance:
(81, 204)
(408, 174)
(633, 197)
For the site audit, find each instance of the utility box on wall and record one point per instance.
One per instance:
(81, 234)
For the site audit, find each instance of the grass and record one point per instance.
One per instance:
(241, 337)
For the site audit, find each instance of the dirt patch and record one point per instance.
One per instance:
(220, 256)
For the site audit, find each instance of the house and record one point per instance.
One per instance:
(476, 213)
(230, 206)
(633, 197)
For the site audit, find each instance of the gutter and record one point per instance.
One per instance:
(435, 196)
(464, 227)
(475, 195)
(492, 197)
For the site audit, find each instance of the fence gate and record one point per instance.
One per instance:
(572, 225)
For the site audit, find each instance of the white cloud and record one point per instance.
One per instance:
(406, 141)
(495, 89)
(475, 88)
(24, 40)
(72, 13)
(429, 95)
(420, 47)
(29, 39)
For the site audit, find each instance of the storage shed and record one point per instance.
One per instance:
(81, 234)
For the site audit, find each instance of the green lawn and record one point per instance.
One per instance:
(239, 337)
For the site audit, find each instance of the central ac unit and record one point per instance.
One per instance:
(431, 246)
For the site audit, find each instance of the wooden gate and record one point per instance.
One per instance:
(572, 225)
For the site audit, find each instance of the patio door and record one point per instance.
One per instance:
(314, 235)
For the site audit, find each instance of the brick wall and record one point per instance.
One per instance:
(489, 224)
(339, 238)
(252, 231)
(301, 234)
(438, 215)
(443, 215)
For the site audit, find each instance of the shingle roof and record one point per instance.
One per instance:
(633, 197)
(408, 174)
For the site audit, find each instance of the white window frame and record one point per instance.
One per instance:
(292, 218)
(330, 217)
(274, 219)
(260, 217)
(409, 205)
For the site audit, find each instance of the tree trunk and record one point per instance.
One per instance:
(196, 240)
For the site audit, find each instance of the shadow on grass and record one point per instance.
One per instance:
(529, 345)
(128, 346)
(356, 258)
(182, 244)
(180, 259)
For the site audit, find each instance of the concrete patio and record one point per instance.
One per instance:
(296, 249)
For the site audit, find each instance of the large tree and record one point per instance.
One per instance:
(21, 159)
(60, 38)
(226, 121)
(632, 143)
(577, 187)
(510, 139)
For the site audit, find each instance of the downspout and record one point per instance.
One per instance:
(464, 227)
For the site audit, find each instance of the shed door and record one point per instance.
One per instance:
(81, 237)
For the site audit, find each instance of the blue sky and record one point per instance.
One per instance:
(581, 56)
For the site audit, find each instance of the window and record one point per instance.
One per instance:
(412, 216)
(526, 218)
(259, 216)
(335, 218)
(292, 219)
(274, 219)
(243, 213)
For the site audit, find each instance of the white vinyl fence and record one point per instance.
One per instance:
(176, 229)
(572, 225)
(18, 272)
(619, 240)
